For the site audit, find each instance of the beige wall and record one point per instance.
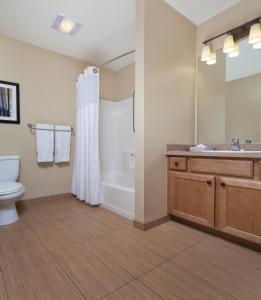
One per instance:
(139, 110)
(125, 82)
(47, 94)
(166, 49)
(234, 16)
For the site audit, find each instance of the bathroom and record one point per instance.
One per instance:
(156, 99)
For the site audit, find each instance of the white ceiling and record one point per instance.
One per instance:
(199, 11)
(108, 27)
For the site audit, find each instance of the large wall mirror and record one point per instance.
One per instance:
(229, 97)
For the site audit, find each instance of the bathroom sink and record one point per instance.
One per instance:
(234, 152)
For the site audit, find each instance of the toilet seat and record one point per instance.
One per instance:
(8, 188)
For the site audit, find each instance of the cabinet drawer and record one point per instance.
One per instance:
(178, 163)
(229, 167)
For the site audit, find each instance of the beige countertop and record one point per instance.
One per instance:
(229, 154)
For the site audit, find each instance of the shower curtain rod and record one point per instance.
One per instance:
(118, 57)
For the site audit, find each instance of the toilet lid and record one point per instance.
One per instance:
(10, 187)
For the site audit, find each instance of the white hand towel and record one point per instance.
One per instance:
(198, 148)
(62, 143)
(45, 142)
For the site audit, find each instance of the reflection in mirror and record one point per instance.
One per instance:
(229, 97)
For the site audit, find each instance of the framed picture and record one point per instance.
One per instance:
(9, 102)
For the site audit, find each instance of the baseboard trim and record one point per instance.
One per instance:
(151, 224)
(44, 198)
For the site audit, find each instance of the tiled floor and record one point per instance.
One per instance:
(64, 249)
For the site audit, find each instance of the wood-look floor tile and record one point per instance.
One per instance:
(37, 218)
(172, 282)
(17, 226)
(101, 253)
(128, 253)
(240, 257)
(232, 269)
(60, 234)
(39, 278)
(19, 245)
(133, 291)
(110, 220)
(182, 232)
(94, 273)
(87, 225)
(3, 295)
(153, 240)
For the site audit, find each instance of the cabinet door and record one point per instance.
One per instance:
(192, 196)
(238, 208)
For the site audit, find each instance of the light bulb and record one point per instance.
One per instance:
(257, 46)
(67, 25)
(236, 51)
(206, 53)
(255, 34)
(229, 44)
(213, 58)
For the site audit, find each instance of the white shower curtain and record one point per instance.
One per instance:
(86, 171)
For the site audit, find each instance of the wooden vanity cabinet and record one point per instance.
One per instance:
(238, 208)
(228, 202)
(192, 197)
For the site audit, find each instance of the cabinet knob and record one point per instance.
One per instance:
(222, 184)
(176, 164)
(209, 182)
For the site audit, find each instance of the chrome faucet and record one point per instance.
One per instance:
(235, 144)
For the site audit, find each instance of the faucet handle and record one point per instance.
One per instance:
(235, 141)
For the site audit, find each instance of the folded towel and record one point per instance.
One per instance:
(198, 148)
(62, 143)
(45, 142)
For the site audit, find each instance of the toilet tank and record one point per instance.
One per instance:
(9, 168)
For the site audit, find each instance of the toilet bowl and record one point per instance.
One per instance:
(10, 192)
(10, 189)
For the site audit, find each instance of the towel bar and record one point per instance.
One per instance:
(32, 126)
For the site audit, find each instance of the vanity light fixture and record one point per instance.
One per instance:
(229, 44)
(213, 58)
(66, 24)
(255, 34)
(236, 51)
(252, 29)
(206, 53)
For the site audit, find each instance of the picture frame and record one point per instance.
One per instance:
(9, 102)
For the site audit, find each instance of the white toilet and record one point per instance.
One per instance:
(10, 190)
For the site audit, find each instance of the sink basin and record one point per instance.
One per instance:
(230, 151)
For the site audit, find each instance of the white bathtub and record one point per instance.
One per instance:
(117, 156)
(118, 194)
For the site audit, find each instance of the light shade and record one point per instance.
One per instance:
(66, 24)
(257, 46)
(206, 53)
(229, 44)
(236, 51)
(213, 58)
(255, 34)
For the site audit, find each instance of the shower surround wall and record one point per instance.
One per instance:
(117, 156)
